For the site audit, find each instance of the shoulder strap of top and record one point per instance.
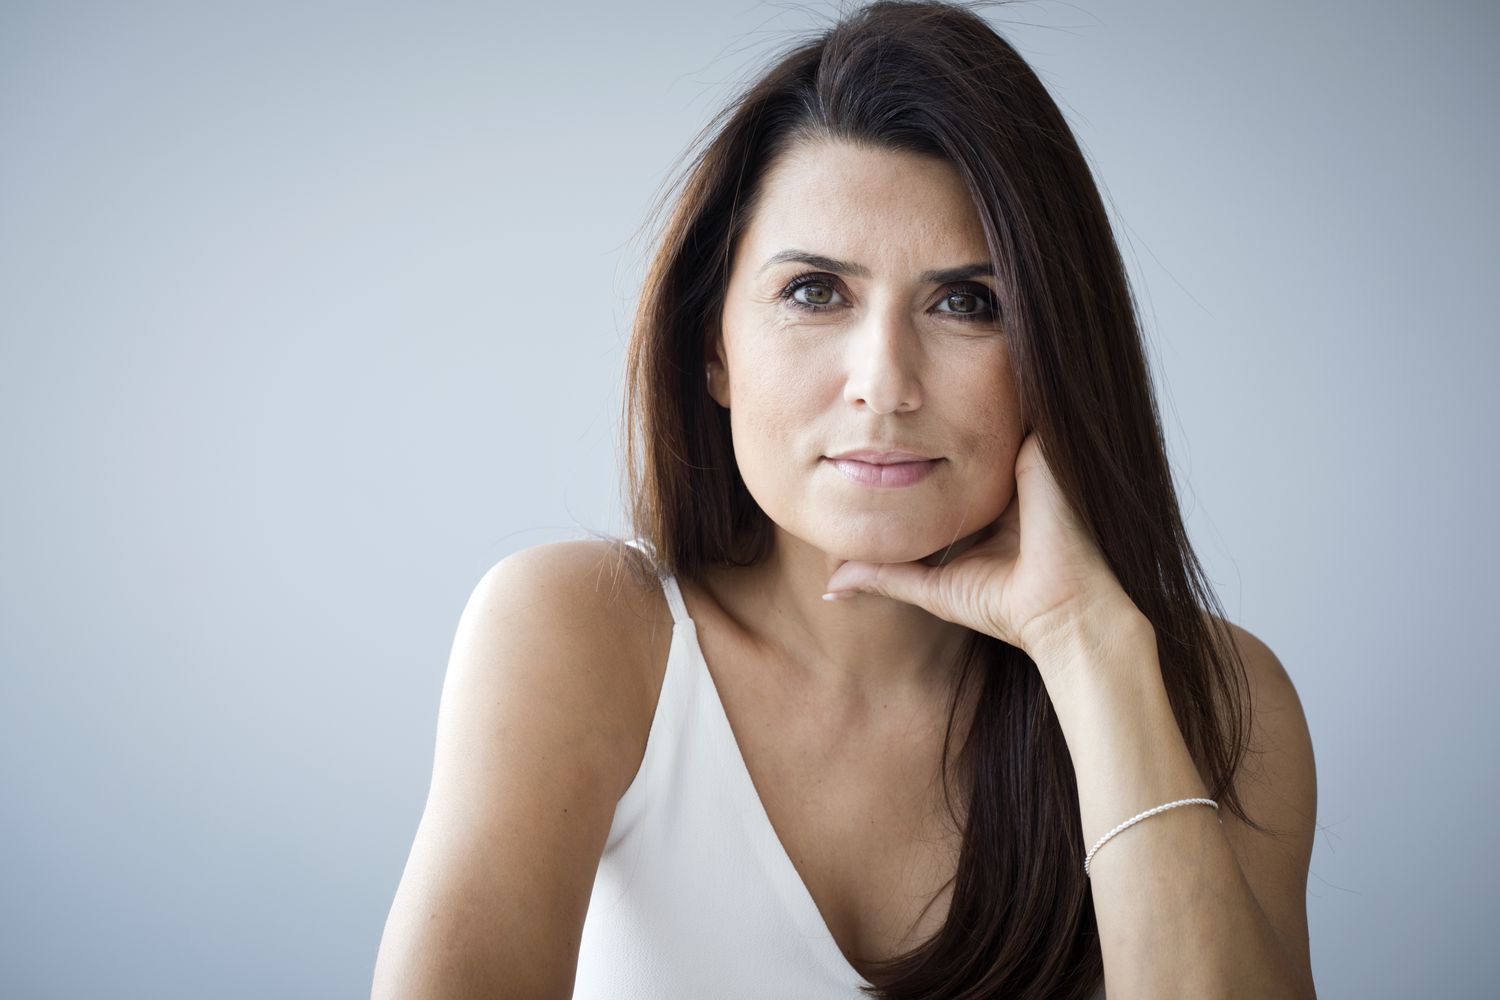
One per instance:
(674, 600)
(668, 585)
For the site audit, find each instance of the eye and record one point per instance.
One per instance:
(975, 303)
(820, 293)
(969, 302)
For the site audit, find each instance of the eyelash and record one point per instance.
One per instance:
(981, 292)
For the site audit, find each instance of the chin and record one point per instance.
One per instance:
(879, 542)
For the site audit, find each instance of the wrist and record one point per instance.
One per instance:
(1108, 640)
(1104, 677)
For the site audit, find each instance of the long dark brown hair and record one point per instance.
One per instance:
(937, 79)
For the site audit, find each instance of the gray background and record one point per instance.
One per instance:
(311, 313)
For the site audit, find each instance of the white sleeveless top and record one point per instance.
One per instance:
(695, 896)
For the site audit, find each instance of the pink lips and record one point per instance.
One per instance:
(869, 467)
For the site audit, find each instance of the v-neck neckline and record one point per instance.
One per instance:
(793, 890)
(772, 853)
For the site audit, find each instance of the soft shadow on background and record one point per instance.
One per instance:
(309, 316)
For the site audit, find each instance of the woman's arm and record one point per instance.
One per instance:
(534, 739)
(1187, 905)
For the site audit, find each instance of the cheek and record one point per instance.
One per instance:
(990, 425)
(773, 394)
(979, 395)
(996, 425)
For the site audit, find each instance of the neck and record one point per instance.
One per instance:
(863, 650)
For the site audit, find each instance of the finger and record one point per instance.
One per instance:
(1037, 490)
(909, 581)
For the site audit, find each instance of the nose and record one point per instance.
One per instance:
(883, 359)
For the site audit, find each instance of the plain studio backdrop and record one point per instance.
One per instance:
(313, 312)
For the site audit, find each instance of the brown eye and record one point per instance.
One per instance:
(968, 302)
(971, 303)
(819, 296)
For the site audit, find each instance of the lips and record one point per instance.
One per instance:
(883, 468)
(876, 456)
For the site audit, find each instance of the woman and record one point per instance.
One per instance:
(912, 626)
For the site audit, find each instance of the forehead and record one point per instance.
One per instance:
(876, 206)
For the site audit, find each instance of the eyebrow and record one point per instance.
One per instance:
(941, 275)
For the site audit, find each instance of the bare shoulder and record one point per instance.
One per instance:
(596, 583)
(541, 724)
(1277, 784)
(598, 623)
(1278, 722)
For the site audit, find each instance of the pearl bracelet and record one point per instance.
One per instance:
(1136, 819)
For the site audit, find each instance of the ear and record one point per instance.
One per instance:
(717, 374)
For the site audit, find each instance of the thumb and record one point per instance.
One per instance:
(898, 581)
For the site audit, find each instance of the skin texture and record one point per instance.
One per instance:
(891, 361)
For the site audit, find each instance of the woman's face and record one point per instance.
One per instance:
(867, 348)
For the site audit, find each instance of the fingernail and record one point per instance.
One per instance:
(838, 595)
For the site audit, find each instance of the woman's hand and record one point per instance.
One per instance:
(1033, 576)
